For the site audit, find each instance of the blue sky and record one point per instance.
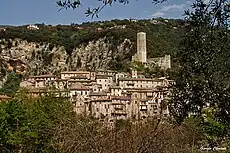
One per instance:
(20, 12)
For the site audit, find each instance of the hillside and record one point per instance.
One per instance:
(92, 45)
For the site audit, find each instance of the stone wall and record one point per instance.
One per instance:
(163, 62)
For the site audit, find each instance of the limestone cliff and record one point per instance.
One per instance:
(31, 58)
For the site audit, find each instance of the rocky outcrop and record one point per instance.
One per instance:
(97, 54)
(30, 58)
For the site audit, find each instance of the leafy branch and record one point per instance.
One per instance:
(68, 4)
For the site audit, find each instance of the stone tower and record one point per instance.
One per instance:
(141, 47)
(167, 62)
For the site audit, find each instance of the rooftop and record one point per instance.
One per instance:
(142, 79)
(79, 77)
(82, 81)
(4, 97)
(100, 100)
(45, 90)
(120, 98)
(78, 86)
(98, 93)
(75, 72)
(101, 76)
(43, 76)
(143, 89)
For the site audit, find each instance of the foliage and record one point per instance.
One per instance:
(27, 125)
(203, 77)
(12, 84)
(47, 124)
(67, 4)
(127, 136)
(214, 131)
(201, 86)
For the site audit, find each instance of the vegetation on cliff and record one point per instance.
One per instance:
(163, 35)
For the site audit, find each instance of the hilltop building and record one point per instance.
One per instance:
(3, 29)
(32, 27)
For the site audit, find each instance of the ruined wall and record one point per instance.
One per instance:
(163, 62)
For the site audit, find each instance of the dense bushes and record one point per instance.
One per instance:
(12, 84)
(28, 125)
(92, 136)
(47, 124)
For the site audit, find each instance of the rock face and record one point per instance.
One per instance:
(30, 58)
(97, 54)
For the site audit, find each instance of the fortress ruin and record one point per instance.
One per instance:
(141, 55)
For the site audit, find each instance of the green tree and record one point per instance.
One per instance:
(203, 77)
(28, 124)
(12, 84)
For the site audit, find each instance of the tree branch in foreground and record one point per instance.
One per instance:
(73, 4)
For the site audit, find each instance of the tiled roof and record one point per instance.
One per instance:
(43, 76)
(120, 98)
(144, 89)
(4, 97)
(58, 80)
(75, 72)
(139, 79)
(71, 80)
(45, 90)
(101, 76)
(101, 100)
(98, 93)
(79, 77)
(78, 86)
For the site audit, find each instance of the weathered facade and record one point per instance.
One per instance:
(106, 96)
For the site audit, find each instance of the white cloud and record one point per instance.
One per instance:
(158, 14)
(189, 2)
(172, 10)
(173, 7)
